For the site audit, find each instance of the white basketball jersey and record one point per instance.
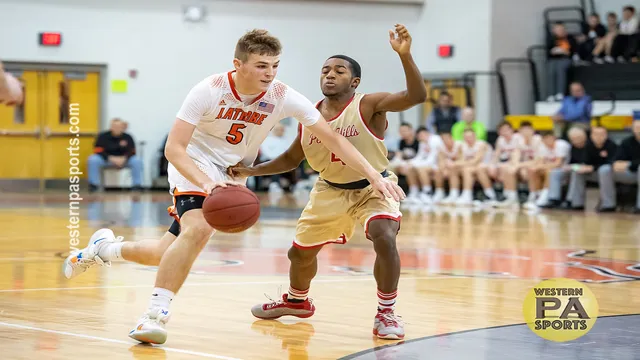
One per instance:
(528, 151)
(560, 149)
(230, 130)
(429, 149)
(451, 154)
(469, 152)
(507, 147)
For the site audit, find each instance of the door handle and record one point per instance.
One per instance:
(49, 133)
(18, 133)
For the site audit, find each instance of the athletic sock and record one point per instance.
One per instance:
(387, 300)
(161, 298)
(297, 296)
(111, 252)
(490, 193)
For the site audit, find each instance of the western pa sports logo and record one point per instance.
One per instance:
(560, 309)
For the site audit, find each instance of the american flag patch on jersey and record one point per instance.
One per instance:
(265, 107)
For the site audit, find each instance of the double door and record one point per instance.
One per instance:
(55, 127)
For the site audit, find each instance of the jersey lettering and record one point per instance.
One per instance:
(252, 117)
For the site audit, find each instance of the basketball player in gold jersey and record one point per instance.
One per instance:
(342, 197)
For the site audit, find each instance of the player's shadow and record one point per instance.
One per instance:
(146, 351)
(295, 337)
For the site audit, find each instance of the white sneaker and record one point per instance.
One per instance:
(438, 196)
(79, 261)
(425, 198)
(412, 198)
(530, 205)
(451, 199)
(466, 199)
(151, 327)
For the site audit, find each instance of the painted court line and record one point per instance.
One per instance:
(221, 283)
(89, 337)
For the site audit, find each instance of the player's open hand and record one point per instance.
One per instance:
(400, 40)
(209, 187)
(239, 170)
(388, 189)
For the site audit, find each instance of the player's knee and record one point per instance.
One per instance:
(301, 257)
(511, 171)
(197, 232)
(384, 238)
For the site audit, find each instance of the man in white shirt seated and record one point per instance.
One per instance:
(273, 146)
(425, 165)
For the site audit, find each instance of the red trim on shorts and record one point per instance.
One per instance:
(376, 217)
(341, 240)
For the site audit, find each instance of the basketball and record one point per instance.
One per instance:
(232, 209)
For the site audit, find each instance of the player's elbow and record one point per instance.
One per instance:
(419, 97)
(172, 150)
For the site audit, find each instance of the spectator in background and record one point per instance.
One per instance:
(273, 146)
(114, 148)
(444, 115)
(558, 176)
(425, 164)
(468, 121)
(627, 31)
(624, 170)
(575, 111)
(552, 153)
(592, 34)
(603, 47)
(561, 48)
(600, 151)
(407, 150)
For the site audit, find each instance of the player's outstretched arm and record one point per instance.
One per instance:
(286, 162)
(416, 92)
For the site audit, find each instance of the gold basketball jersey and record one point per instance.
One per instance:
(348, 123)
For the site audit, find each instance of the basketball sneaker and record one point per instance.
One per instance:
(80, 261)
(388, 325)
(275, 309)
(151, 327)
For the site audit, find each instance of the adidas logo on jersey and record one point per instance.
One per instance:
(222, 103)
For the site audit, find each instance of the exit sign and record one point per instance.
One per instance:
(50, 38)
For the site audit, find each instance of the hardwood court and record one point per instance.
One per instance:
(462, 270)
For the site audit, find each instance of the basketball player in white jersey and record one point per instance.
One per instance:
(475, 153)
(10, 89)
(342, 197)
(222, 122)
(551, 154)
(528, 149)
(449, 153)
(425, 164)
(504, 164)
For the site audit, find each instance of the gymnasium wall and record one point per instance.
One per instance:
(172, 55)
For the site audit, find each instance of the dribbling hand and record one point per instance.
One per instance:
(388, 189)
(402, 43)
(209, 187)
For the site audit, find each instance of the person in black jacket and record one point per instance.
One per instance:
(561, 48)
(624, 170)
(600, 151)
(114, 148)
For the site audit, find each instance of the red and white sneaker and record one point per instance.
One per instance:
(388, 325)
(275, 309)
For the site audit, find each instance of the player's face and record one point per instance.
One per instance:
(258, 72)
(469, 137)
(506, 131)
(406, 132)
(447, 140)
(336, 78)
(423, 136)
(598, 135)
(549, 141)
(526, 131)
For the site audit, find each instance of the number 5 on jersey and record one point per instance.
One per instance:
(235, 136)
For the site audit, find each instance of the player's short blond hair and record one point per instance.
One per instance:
(258, 42)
